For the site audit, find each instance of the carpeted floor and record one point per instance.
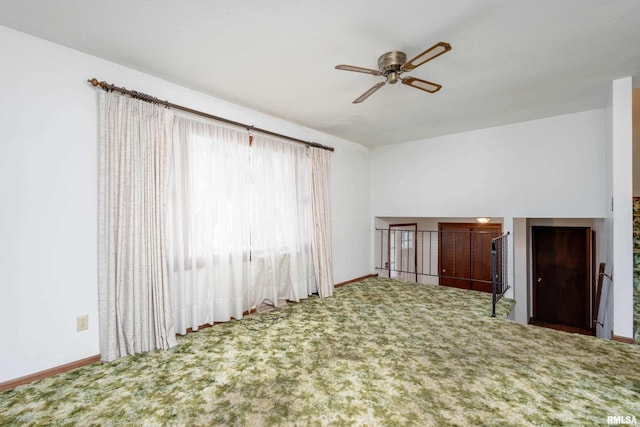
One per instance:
(380, 352)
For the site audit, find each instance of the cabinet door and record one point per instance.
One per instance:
(481, 260)
(464, 257)
(454, 256)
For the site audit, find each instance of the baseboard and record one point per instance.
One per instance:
(625, 340)
(337, 285)
(48, 372)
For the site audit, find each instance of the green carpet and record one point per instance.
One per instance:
(380, 352)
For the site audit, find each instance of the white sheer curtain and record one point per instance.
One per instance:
(239, 223)
(209, 219)
(281, 261)
(321, 208)
(134, 301)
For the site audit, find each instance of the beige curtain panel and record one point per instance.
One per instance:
(321, 214)
(134, 300)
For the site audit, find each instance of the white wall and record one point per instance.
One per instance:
(521, 272)
(622, 167)
(350, 211)
(48, 193)
(604, 328)
(544, 168)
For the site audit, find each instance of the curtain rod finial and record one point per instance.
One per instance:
(94, 82)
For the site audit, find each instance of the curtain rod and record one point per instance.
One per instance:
(148, 98)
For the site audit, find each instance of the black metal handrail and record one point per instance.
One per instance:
(499, 270)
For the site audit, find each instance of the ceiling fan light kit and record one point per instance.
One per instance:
(392, 64)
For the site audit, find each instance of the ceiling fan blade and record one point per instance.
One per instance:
(421, 84)
(433, 52)
(358, 69)
(368, 93)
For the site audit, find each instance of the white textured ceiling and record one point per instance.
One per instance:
(512, 60)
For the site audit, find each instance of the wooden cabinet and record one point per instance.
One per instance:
(464, 254)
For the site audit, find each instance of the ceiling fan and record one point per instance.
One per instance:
(394, 63)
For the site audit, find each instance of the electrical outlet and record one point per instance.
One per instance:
(82, 323)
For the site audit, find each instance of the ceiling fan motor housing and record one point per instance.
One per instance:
(391, 63)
